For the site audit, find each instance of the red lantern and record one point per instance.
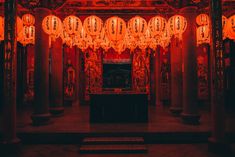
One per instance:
(93, 25)
(72, 25)
(19, 25)
(203, 34)
(115, 29)
(224, 26)
(177, 25)
(230, 28)
(157, 25)
(52, 26)
(27, 35)
(1, 28)
(28, 19)
(137, 26)
(202, 19)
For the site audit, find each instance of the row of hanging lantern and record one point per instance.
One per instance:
(25, 29)
(27, 35)
(19, 26)
(115, 32)
(203, 29)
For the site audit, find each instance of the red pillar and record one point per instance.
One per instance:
(56, 79)
(217, 69)
(41, 113)
(190, 113)
(81, 77)
(8, 101)
(157, 79)
(152, 77)
(176, 77)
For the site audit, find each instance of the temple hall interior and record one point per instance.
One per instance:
(117, 78)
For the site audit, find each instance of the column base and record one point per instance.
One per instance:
(57, 111)
(41, 119)
(10, 147)
(216, 146)
(175, 111)
(191, 119)
(68, 103)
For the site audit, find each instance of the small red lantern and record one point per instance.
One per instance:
(28, 19)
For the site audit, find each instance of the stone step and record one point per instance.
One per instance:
(113, 140)
(114, 148)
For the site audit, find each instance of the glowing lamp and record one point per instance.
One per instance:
(1, 28)
(82, 40)
(28, 19)
(203, 34)
(106, 43)
(230, 27)
(93, 25)
(165, 38)
(66, 38)
(177, 25)
(202, 19)
(19, 25)
(137, 26)
(27, 35)
(52, 26)
(72, 25)
(157, 25)
(224, 26)
(115, 29)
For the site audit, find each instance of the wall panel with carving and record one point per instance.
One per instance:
(202, 71)
(69, 73)
(29, 93)
(93, 71)
(141, 71)
(165, 73)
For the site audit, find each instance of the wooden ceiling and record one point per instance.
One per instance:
(86, 7)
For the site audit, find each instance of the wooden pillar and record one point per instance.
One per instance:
(157, 79)
(190, 113)
(176, 77)
(41, 113)
(81, 77)
(8, 66)
(217, 139)
(56, 80)
(152, 77)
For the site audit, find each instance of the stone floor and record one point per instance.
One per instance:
(156, 150)
(76, 120)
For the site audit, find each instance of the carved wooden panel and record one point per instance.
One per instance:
(165, 74)
(202, 72)
(140, 71)
(93, 71)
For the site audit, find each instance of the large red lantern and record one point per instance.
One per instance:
(1, 28)
(72, 25)
(66, 38)
(203, 34)
(157, 25)
(83, 40)
(19, 25)
(27, 35)
(52, 26)
(165, 38)
(177, 25)
(137, 26)
(202, 19)
(224, 26)
(115, 29)
(93, 25)
(28, 19)
(230, 27)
